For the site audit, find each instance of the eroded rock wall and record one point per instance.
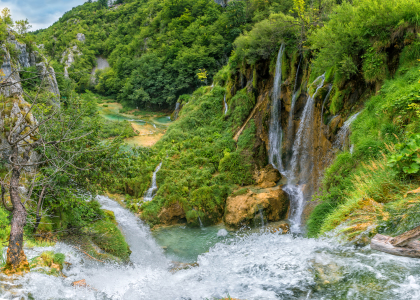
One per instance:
(322, 129)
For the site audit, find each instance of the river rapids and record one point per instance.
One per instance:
(259, 265)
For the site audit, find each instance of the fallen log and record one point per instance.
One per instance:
(383, 243)
(404, 239)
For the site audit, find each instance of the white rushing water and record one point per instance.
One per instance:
(176, 111)
(226, 106)
(247, 266)
(151, 191)
(301, 162)
(344, 132)
(275, 133)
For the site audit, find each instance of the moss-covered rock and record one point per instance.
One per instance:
(241, 210)
(106, 235)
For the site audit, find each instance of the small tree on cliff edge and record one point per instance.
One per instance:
(29, 143)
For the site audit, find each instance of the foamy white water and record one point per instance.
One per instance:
(153, 188)
(256, 266)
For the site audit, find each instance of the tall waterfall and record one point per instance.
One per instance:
(151, 191)
(225, 104)
(275, 133)
(302, 160)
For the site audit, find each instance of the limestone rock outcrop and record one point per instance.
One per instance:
(15, 109)
(81, 37)
(172, 215)
(68, 58)
(222, 2)
(267, 177)
(50, 81)
(242, 209)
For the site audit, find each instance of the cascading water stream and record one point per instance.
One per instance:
(344, 132)
(226, 106)
(275, 132)
(176, 112)
(151, 191)
(253, 266)
(302, 161)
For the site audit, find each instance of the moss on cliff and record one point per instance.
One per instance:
(363, 194)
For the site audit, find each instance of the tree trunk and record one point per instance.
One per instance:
(16, 258)
(405, 238)
(383, 243)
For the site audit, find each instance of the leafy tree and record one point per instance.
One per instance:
(103, 3)
(22, 26)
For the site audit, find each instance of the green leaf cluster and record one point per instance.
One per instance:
(407, 159)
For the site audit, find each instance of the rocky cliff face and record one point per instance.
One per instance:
(321, 128)
(68, 58)
(14, 108)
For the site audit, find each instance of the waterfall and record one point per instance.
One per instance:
(275, 134)
(297, 205)
(343, 133)
(199, 221)
(302, 160)
(226, 106)
(261, 216)
(151, 191)
(176, 112)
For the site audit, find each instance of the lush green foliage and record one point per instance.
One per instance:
(155, 48)
(407, 159)
(364, 30)
(384, 149)
(106, 235)
(4, 225)
(201, 163)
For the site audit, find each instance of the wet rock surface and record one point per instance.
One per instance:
(267, 177)
(240, 210)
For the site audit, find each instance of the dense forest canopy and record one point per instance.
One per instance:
(155, 48)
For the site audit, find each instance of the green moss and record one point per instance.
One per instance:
(106, 235)
(336, 103)
(361, 189)
(48, 262)
(374, 65)
(240, 192)
(254, 77)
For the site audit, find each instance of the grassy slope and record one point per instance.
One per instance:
(361, 189)
(201, 162)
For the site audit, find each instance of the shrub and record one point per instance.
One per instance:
(407, 159)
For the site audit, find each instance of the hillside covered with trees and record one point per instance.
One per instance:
(288, 116)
